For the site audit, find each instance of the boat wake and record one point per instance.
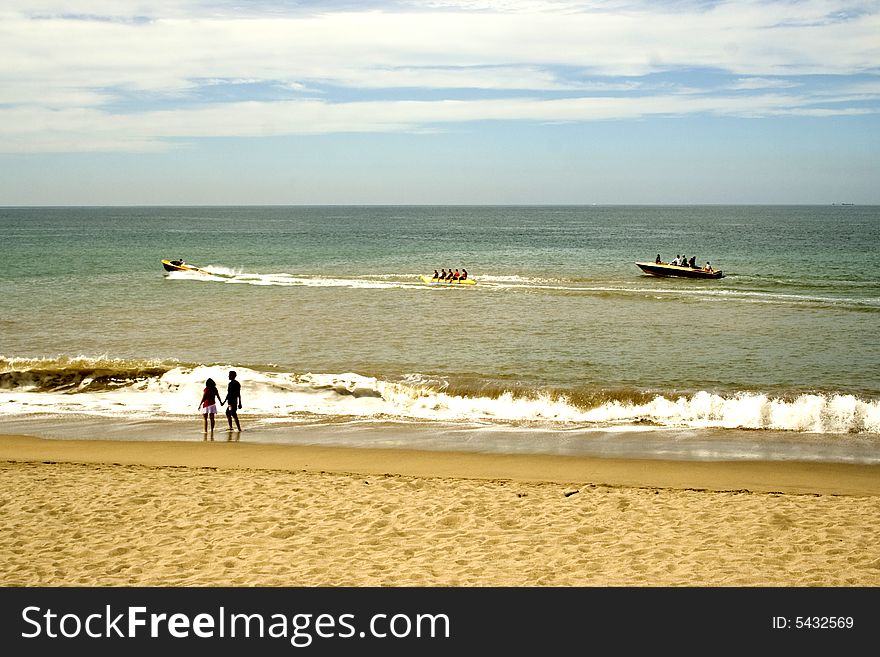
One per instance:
(512, 283)
(217, 274)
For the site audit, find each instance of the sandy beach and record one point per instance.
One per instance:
(114, 513)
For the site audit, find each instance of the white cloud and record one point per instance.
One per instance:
(66, 63)
(47, 131)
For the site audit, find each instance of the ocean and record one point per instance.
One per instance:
(562, 346)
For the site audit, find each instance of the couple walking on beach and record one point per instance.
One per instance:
(211, 397)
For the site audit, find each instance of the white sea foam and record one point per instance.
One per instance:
(217, 274)
(284, 395)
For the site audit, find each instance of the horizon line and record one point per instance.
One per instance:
(427, 205)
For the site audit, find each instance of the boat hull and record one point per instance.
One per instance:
(434, 281)
(654, 269)
(170, 265)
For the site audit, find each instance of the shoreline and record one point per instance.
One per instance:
(654, 444)
(789, 477)
(102, 513)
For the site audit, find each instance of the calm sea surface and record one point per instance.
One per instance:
(563, 344)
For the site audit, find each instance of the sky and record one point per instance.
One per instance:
(197, 102)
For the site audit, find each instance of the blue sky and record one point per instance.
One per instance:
(493, 101)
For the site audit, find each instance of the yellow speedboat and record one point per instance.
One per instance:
(180, 265)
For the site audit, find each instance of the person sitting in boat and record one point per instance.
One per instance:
(456, 275)
(442, 275)
(692, 263)
(708, 267)
(677, 260)
(463, 275)
(449, 275)
(177, 263)
(658, 261)
(435, 276)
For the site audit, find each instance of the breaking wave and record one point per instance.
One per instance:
(169, 389)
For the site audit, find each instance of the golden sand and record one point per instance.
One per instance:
(110, 513)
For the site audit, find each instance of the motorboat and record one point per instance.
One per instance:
(180, 265)
(666, 269)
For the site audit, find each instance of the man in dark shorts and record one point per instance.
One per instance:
(233, 398)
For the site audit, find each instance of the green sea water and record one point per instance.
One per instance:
(561, 330)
